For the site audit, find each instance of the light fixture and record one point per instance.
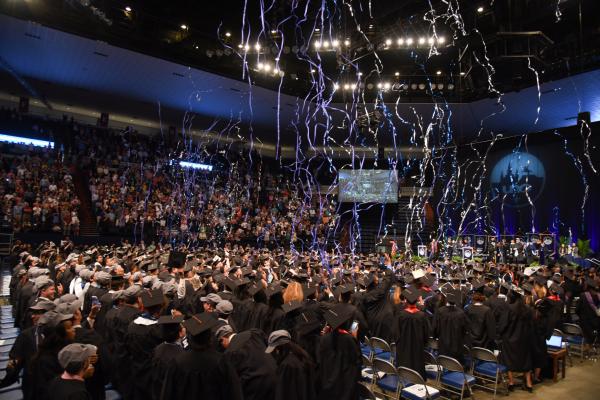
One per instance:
(336, 86)
(438, 72)
(388, 42)
(430, 40)
(451, 86)
(335, 43)
(379, 85)
(240, 46)
(312, 71)
(422, 86)
(318, 45)
(409, 41)
(462, 74)
(413, 86)
(326, 44)
(441, 40)
(228, 34)
(480, 9)
(400, 42)
(273, 31)
(257, 46)
(247, 47)
(184, 27)
(360, 74)
(440, 86)
(346, 42)
(128, 9)
(370, 26)
(260, 66)
(421, 40)
(196, 47)
(317, 30)
(267, 67)
(346, 87)
(397, 73)
(387, 86)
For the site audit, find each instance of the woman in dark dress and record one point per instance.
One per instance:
(542, 328)
(517, 338)
(588, 311)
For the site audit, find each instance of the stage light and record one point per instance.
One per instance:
(360, 74)
(421, 40)
(335, 43)
(451, 86)
(413, 86)
(281, 73)
(317, 30)
(128, 9)
(240, 46)
(387, 86)
(312, 71)
(228, 34)
(397, 73)
(400, 42)
(422, 86)
(336, 86)
(184, 27)
(480, 9)
(326, 44)
(346, 87)
(462, 74)
(196, 47)
(26, 141)
(433, 86)
(388, 42)
(346, 42)
(267, 67)
(409, 41)
(260, 66)
(276, 70)
(353, 86)
(441, 40)
(273, 32)
(370, 26)
(318, 45)
(247, 47)
(438, 72)
(186, 164)
(257, 47)
(440, 86)
(430, 40)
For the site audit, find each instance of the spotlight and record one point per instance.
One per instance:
(438, 72)
(128, 9)
(422, 86)
(369, 86)
(281, 73)
(409, 41)
(346, 42)
(335, 43)
(326, 44)
(441, 40)
(360, 74)
(267, 67)
(352, 86)
(318, 45)
(388, 42)
(421, 40)
(196, 47)
(257, 47)
(387, 86)
(480, 9)
(346, 87)
(379, 86)
(247, 47)
(184, 27)
(370, 26)
(312, 71)
(397, 73)
(260, 66)
(240, 46)
(430, 40)
(400, 42)
(336, 86)
(273, 32)
(440, 86)
(433, 86)
(317, 30)
(451, 86)
(413, 86)
(275, 70)
(228, 34)
(462, 74)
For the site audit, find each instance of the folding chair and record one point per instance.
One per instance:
(382, 349)
(366, 349)
(414, 387)
(453, 378)
(432, 345)
(367, 373)
(558, 332)
(390, 382)
(485, 367)
(573, 336)
(364, 393)
(432, 368)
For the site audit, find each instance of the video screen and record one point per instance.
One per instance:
(368, 186)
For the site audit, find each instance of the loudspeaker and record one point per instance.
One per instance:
(24, 105)
(584, 116)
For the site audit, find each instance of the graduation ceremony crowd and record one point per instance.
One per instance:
(234, 322)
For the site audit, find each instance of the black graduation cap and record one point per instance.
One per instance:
(540, 280)
(176, 259)
(411, 294)
(273, 289)
(152, 298)
(338, 315)
(200, 323)
(291, 306)
(309, 290)
(527, 287)
(307, 322)
(254, 288)
(170, 319)
(478, 285)
(347, 288)
(453, 296)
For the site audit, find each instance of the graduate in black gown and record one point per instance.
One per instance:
(587, 310)
(275, 314)
(376, 306)
(482, 324)
(77, 361)
(412, 332)
(451, 326)
(172, 331)
(201, 372)
(340, 356)
(245, 351)
(143, 335)
(517, 338)
(344, 294)
(296, 372)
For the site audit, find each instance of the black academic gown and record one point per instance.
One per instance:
(43, 369)
(272, 320)
(379, 311)
(143, 335)
(241, 313)
(295, 380)
(451, 327)
(23, 299)
(256, 369)
(23, 350)
(201, 374)
(357, 315)
(340, 367)
(412, 331)
(257, 312)
(95, 384)
(542, 330)
(517, 338)
(164, 353)
(501, 311)
(588, 320)
(121, 368)
(482, 326)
